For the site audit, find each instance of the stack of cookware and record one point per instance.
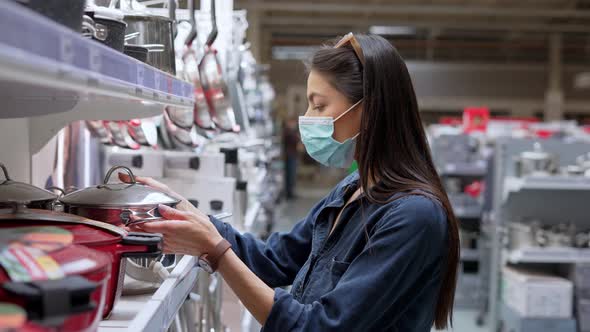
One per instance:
(65, 270)
(534, 234)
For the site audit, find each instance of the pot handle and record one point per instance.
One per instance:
(213, 34)
(126, 169)
(5, 171)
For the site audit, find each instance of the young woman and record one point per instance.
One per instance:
(379, 252)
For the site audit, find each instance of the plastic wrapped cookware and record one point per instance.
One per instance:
(117, 243)
(60, 285)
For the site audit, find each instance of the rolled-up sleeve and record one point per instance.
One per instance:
(382, 280)
(278, 259)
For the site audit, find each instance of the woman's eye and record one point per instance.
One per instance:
(318, 107)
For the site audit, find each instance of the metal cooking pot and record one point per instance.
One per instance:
(214, 85)
(525, 235)
(66, 12)
(33, 197)
(536, 162)
(118, 203)
(154, 29)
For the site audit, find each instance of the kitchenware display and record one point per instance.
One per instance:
(97, 129)
(176, 137)
(12, 191)
(214, 85)
(181, 117)
(154, 29)
(536, 162)
(108, 26)
(143, 132)
(60, 285)
(201, 114)
(118, 203)
(527, 235)
(65, 12)
(115, 242)
(120, 135)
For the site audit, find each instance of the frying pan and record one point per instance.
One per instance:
(201, 115)
(214, 85)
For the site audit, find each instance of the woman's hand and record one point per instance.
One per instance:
(184, 204)
(184, 232)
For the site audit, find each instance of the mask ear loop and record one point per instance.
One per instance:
(348, 110)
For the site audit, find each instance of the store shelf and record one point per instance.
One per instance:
(465, 206)
(474, 169)
(546, 198)
(548, 255)
(469, 254)
(251, 215)
(154, 312)
(54, 76)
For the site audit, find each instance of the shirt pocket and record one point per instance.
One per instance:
(337, 269)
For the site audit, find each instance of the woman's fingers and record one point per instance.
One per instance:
(172, 227)
(172, 213)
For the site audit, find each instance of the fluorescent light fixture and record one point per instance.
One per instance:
(582, 81)
(292, 52)
(392, 30)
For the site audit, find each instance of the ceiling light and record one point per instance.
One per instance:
(392, 30)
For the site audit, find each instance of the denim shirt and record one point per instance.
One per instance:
(380, 269)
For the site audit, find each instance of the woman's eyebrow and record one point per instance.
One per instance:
(313, 95)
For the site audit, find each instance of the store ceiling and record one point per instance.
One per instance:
(448, 30)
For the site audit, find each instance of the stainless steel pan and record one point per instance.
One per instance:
(214, 85)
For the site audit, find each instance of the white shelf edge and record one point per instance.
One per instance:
(159, 310)
(548, 255)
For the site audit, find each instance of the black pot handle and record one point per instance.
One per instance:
(5, 171)
(52, 301)
(152, 242)
(126, 169)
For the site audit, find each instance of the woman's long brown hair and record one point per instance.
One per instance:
(392, 150)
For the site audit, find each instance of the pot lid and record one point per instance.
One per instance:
(14, 191)
(118, 194)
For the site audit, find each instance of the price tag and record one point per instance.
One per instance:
(140, 74)
(94, 60)
(66, 50)
(157, 81)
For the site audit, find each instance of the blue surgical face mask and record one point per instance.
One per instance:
(316, 135)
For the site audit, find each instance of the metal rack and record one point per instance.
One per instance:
(518, 199)
(51, 76)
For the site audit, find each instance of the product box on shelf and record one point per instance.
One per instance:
(142, 162)
(583, 314)
(211, 195)
(536, 294)
(514, 322)
(579, 275)
(181, 164)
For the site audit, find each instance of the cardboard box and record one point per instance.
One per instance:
(535, 294)
(514, 322)
(583, 314)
